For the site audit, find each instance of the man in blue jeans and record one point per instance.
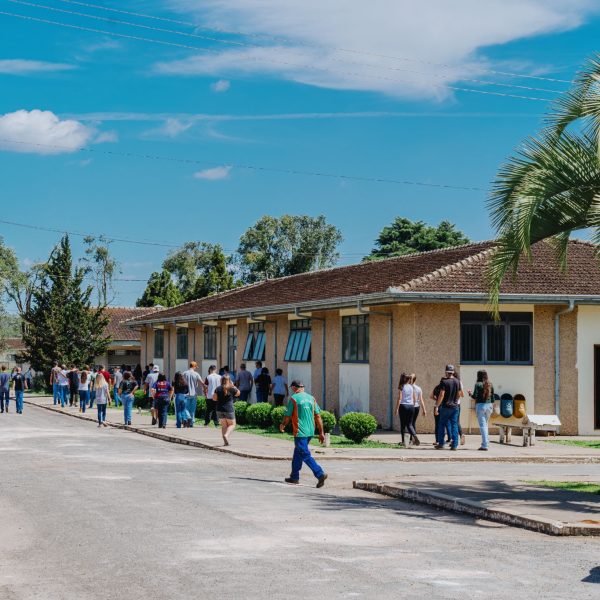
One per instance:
(4, 389)
(303, 412)
(447, 406)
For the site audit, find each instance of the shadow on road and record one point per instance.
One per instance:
(593, 577)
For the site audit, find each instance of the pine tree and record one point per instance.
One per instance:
(61, 323)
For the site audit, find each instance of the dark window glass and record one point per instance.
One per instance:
(355, 338)
(298, 348)
(159, 343)
(232, 348)
(471, 342)
(210, 342)
(520, 343)
(255, 342)
(496, 343)
(182, 342)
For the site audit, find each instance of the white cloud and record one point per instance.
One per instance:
(107, 137)
(428, 34)
(220, 86)
(42, 132)
(214, 174)
(21, 66)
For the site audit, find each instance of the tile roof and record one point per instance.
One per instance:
(14, 343)
(117, 314)
(457, 269)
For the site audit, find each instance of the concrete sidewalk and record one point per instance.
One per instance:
(516, 503)
(267, 448)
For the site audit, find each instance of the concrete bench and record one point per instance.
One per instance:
(529, 424)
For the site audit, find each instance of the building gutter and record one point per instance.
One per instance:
(298, 313)
(390, 316)
(570, 308)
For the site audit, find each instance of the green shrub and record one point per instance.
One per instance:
(140, 400)
(39, 384)
(259, 414)
(200, 407)
(358, 426)
(328, 421)
(277, 415)
(240, 407)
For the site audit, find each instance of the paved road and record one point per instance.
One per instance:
(102, 514)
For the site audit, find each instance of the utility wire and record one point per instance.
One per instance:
(255, 167)
(275, 61)
(299, 42)
(256, 59)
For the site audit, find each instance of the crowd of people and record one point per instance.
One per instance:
(18, 382)
(447, 396)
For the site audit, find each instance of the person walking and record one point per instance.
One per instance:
(117, 378)
(93, 374)
(418, 392)
(257, 369)
(73, 376)
(107, 378)
(483, 394)
(102, 397)
(244, 382)
(137, 374)
(54, 383)
(149, 382)
(126, 391)
(63, 385)
(279, 387)
(163, 392)
(263, 385)
(182, 394)
(447, 404)
(461, 393)
(196, 387)
(436, 414)
(303, 413)
(213, 381)
(4, 389)
(84, 388)
(20, 383)
(224, 398)
(405, 407)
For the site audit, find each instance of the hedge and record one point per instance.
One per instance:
(358, 426)
(259, 414)
(328, 421)
(240, 407)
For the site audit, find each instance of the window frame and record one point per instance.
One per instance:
(210, 342)
(355, 329)
(299, 345)
(179, 335)
(159, 334)
(232, 346)
(508, 320)
(255, 347)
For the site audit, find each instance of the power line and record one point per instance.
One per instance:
(255, 59)
(255, 167)
(298, 42)
(287, 63)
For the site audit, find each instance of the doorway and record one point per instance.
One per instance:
(596, 387)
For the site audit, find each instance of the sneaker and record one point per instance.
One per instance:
(290, 480)
(104, 423)
(462, 439)
(438, 447)
(416, 441)
(154, 421)
(453, 448)
(129, 423)
(482, 448)
(321, 481)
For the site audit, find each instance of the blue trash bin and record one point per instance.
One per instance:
(506, 405)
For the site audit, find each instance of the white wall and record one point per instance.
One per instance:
(588, 335)
(354, 387)
(181, 364)
(507, 379)
(300, 371)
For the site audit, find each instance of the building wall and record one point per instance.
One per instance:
(353, 387)
(543, 359)
(317, 362)
(588, 336)
(568, 374)
(332, 361)
(379, 363)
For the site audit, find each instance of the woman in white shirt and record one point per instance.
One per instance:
(418, 400)
(405, 407)
(102, 395)
(84, 388)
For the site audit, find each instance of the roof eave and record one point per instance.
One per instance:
(481, 298)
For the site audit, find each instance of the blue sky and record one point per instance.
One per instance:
(349, 88)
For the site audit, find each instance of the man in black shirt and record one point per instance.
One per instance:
(447, 405)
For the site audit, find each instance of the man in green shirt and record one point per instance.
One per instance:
(303, 413)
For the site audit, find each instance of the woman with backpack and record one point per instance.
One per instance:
(163, 392)
(483, 394)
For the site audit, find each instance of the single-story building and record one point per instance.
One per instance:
(125, 345)
(9, 357)
(348, 332)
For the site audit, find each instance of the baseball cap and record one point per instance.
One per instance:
(296, 384)
(449, 368)
(155, 369)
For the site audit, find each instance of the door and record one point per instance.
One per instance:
(596, 387)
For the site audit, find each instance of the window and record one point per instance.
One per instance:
(299, 342)
(232, 347)
(210, 342)
(182, 342)
(159, 343)
(483, 341)
(255, 343)
(355, 338)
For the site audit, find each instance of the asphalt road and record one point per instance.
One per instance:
(101, 514)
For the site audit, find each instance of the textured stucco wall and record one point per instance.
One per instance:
(333, 356)
(379, 363)
(543, 358)
(568, 374)
(317, 362)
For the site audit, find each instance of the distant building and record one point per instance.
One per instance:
(10, 355)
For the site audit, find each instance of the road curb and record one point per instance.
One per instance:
(453, 457)
(476, 509)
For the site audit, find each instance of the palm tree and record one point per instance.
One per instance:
(552, 186)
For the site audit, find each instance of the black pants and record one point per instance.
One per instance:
(211, 412)
(162, 406)
(415, 416)
(406, 413)
(279, 399)
(73, 392)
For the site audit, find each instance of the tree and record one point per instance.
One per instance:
(404, 236)
(552, 186)
(275, 247)
(102, 266)
(160, 291)
(9, 271)
(199, 269)
(61, 323)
